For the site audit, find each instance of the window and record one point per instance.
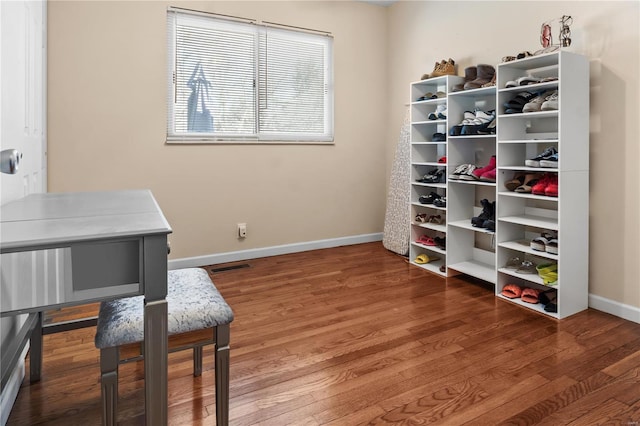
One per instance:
(240, 80)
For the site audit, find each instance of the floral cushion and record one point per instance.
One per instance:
(193, 303)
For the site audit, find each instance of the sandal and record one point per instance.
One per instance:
(529, 181)
(421, 217)
(518, 179)
(511, 291)
(540, 243)
(437, 219)
(530, 295)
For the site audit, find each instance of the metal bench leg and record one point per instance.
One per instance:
(197, 361)
(222, 375)
(35, 350)
(109, 359)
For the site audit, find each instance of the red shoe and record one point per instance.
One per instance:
(540, 187)
(491, 166)
(552, 188)
(489, 176)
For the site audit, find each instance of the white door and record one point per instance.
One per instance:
(23, 73)
(23, 87)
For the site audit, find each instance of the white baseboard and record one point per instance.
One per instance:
(10, 392)
(612, 307)
(235, 256)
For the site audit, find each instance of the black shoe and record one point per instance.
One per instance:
(440, 202)
(438, 137)
(488, 213)
(490, 225)
(441, 243)
(434, 176)
(428, 199)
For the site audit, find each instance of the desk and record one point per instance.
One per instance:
(63, 249)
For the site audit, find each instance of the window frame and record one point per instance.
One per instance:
(257, 137)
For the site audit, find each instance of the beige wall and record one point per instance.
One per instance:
(107, 113)
(421, 33)
(107, 120)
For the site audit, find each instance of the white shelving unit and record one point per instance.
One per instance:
(520, 217)
(425, 155)
(472, 249)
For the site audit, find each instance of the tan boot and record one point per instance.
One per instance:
(446, 68)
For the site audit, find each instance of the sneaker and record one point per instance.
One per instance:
(535, 161)
(552, 187)
(551, 104)
(458, 171)
(536, 103)
(547, 179)
(439, 113)
(481, 119)
(468, 173)
(550, 161)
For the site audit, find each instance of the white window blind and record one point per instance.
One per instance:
(239, 80)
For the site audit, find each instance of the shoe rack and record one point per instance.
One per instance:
(471, 249)
(521, 217)
(427, 156)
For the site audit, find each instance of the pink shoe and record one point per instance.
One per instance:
(477, 173)
(489, 176)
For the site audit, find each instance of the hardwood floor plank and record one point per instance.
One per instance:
(355, 335)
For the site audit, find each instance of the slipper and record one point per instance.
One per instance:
(427, 241)
(511, 291)
(530, 295)
(518, 179)
(421, 259)
(548, 272)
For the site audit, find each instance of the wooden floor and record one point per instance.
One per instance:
(354, 335)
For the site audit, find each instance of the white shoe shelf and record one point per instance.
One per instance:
(520, 217)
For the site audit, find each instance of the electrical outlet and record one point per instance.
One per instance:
(242, 230)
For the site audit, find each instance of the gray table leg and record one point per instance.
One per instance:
(35, 351)
(156, 343)
(222, 374)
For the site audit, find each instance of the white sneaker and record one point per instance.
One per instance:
(551, 104)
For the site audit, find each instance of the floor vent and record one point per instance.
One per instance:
(229, 268)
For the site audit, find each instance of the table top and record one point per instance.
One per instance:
(55, 219)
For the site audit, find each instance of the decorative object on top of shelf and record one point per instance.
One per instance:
(565, 31)
(442, 68)
(470, 74)
(546, 39)
(485, 74)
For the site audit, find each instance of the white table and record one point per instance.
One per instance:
(63, 249)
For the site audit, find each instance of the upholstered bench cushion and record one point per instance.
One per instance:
(193, 303)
